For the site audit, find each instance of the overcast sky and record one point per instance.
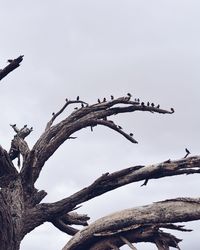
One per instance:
(94, 49)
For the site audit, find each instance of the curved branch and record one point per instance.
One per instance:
(86, 116)
(72, 218)
(107, 182)
(129, 220)
(118, 179)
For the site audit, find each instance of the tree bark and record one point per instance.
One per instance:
(137, 224)
(11, 216)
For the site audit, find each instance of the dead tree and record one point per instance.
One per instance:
(21, 206)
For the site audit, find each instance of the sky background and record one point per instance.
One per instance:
(93, 49)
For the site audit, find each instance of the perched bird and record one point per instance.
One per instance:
(129, 94)
(148, 104)
(66, 100)
(119, 127)
(99, 101)
(172, 110)
(112, 97)
(158, 106)
(187, 151)
(25, 126)
(82, 105)
(131, 134)
(31, 128)
(142, 103)
(53, 113)
(138, 100)
(104, 99)
(152, 105)
(77, 98)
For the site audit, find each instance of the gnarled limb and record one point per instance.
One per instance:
(107, 182)
(13, 64)
(117, 179)
(138, 224)
(85, 116)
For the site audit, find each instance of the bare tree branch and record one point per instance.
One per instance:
(86, 116)
(13, 64)
(132, 221)
(117, 179)
(48, 211)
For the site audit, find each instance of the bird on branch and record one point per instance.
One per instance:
(112, 97)
(187, 152)
(77, 98)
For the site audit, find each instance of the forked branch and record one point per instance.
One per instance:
(85, 116)
(108, 182)
(138, 225)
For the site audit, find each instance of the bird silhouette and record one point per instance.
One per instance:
(112, 97)
(119, 127)
(158, 106)
(53, 113)
(142, 103)
(172, 110)
(77, 98)
(66, 100)
(99, 101)
(104, 99)
(187, 152)
(152, 105)
(129, 94)
(82, 105)
(131, 134)
(148, 104)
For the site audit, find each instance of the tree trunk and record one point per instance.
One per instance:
(11, 210)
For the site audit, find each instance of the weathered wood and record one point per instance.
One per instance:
(129, 220)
